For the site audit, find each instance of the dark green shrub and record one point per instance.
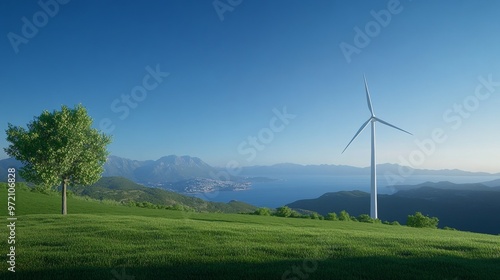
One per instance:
(283, 211)
(332, 217)
(449, 228)
(420, 221)
(344, 216)
(263, 211)
(296, 214)
(316, 216)
(365, 218)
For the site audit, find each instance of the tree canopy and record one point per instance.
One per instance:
(59, 147)
(344, 216)
(421, 221)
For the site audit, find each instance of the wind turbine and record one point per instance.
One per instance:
(372, 120)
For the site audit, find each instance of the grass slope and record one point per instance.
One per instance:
(100, 241)
(123, 190)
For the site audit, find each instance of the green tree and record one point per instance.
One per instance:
(315, 216)
(344, 216)
(421, 221)
(295, 214)
(332, 217)
(284, 211)
(263, 211)
(59, 147)
(365, 218)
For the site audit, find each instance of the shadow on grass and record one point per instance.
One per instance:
(335, 268)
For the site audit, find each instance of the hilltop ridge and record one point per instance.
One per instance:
(469, 207)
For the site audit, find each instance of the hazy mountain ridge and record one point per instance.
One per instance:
(331, 169)
(166, 169)
(191, 174)
(470, 207)
(174, 168)
(117, 166)
(449, 185)
(7, 163)
(493, 184)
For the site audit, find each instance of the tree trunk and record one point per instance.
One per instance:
(64, 185)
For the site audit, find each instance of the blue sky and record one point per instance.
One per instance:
(231, 67)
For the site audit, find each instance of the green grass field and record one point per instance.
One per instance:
(101, 241)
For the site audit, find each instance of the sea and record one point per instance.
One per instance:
(287, 189)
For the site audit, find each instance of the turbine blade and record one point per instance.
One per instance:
(357, 133)
(368, 98)
(393, 126)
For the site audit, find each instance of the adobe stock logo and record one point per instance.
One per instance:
(363, 38)
(301, 272)
(221, 7)
(139, 93)
(39, 20)
(265, 136)
(255, 144)
(453, 118)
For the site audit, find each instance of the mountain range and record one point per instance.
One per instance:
(166, 169)
(174, 168)
(483, 186)
(191, 174)
(331, 169)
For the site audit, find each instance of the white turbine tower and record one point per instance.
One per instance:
(372, 119)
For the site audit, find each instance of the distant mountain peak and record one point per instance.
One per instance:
(182, 160)
(171, 168)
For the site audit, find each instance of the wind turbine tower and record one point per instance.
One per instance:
(372, 120)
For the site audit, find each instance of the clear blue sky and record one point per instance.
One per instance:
(228, 70)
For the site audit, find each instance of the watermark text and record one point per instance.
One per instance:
(11, 220)
(40, 19)
(453, 117)
(127, 102)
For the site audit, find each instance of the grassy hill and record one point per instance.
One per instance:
(103, 241)
(464, 209)
(124, 190)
